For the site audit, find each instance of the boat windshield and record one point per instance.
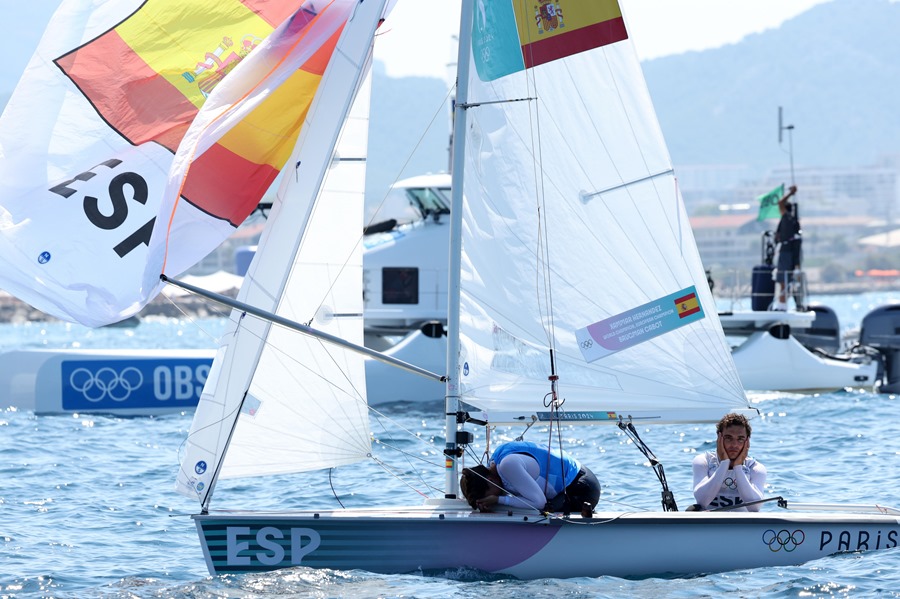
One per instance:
(431, 201)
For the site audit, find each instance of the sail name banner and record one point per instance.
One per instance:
(639, 324)
(509, 37)
(579, 416)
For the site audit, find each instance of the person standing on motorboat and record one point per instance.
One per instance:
(789, 237)
(729, 476)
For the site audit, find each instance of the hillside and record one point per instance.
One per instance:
(401, 110)
(833, 68)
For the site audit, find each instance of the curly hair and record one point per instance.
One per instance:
(474, 483)
(733, 420)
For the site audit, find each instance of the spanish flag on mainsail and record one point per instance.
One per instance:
(687, 305)
(511, 35)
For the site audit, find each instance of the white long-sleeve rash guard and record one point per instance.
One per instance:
(715, 485)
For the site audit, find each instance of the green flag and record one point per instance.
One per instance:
(768, 203)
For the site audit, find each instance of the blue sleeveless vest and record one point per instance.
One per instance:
(559, 465)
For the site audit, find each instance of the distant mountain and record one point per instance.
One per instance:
(401, 110)
(833, 68)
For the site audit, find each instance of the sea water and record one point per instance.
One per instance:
(88, 507)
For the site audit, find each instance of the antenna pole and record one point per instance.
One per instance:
(790, 129)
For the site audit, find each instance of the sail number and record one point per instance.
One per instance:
(272, 545)
(111, 212)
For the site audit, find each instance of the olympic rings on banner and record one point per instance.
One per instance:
(106, 383)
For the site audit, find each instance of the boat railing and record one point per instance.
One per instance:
(794, 284)
(762, 288)
(859, 508)
(768, 285)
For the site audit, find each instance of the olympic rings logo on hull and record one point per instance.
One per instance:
(783, 539)
(106, 383)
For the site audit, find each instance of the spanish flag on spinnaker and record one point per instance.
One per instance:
(243, 135)
(511, 35)
(150, 75)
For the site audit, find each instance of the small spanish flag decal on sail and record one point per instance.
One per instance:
(687, 305)
(511, 35)
(639, 324)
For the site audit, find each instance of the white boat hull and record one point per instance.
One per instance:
(167, 381)
(156, 382)
(385, 384)
(133, 383)
(766, 363)
(529, 546)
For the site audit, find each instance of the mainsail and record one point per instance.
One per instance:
(88, 138)
(567, 170)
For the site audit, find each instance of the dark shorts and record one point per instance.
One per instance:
(584, 489)
(788, 260)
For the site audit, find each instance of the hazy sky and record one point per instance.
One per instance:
(407, 44)
(657, 28)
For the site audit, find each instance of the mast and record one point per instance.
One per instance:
(451, 399)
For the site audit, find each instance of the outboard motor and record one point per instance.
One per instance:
(825, 332)
(762, 283)
(881, 330)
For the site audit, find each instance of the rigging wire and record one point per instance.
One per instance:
(543, 272)
(333, 492)
(212, 306)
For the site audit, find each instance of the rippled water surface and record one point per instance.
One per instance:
(87, 506)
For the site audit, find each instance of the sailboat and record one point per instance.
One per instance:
(576, 296)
